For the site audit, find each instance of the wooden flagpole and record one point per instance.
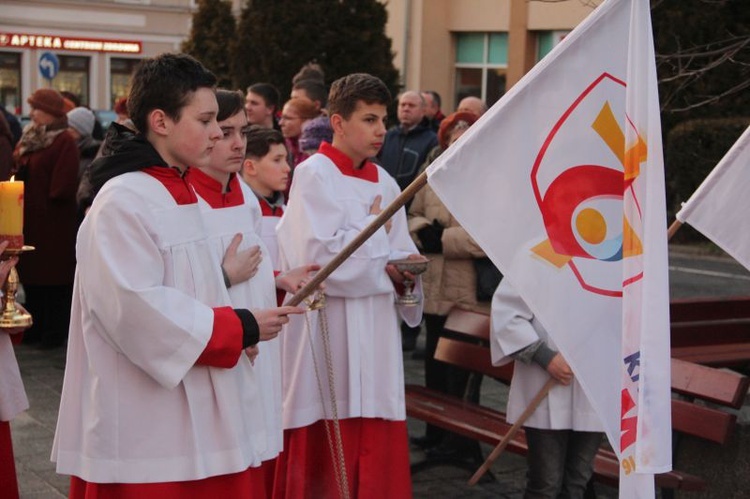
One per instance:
(512, 432)
(358, 241)
(673, 229)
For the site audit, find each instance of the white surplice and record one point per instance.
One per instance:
(135, 406)
(326, 210)
(259, 292)
(514, 327)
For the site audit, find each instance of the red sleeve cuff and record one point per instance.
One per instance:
(225, 346)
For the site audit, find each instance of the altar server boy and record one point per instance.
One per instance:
(334, 195)
(159, 399)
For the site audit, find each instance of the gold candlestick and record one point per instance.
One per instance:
(11, 316)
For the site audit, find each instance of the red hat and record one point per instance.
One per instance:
(48, 100)
(450, 122)
(121, 106)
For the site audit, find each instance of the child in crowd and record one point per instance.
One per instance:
(564, 432)
(315, 132)
(335, 194)
(158, 397)
(266, 170)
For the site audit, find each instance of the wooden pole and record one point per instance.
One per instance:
(673, 229)
(358, 241)
(512, 432)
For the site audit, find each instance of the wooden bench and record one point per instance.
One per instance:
(693, 385)
(709, 331)
(706, 309)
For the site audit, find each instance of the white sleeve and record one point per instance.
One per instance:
(121, 272)
(511, 329)
(319, 222)
(402, 245)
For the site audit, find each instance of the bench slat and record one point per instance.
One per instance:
(709, 309)
(720, 387)
(690, 334)
(468, 323)
(703, 422)
(724, 355)
(472, 358)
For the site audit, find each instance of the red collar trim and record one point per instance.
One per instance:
(210, 189)
(173, 180)
(344, 163)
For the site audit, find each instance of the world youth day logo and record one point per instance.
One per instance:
(581, 175)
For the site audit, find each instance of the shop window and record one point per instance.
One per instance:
(481, 65)
(10, 81)
(73, 77)
(121, 71)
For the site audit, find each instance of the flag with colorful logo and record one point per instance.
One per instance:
(562, 184)
(720, 205)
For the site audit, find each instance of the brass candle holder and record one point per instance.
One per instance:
(11, 316)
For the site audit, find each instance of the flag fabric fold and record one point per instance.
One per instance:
(568, 167)
(719, 206)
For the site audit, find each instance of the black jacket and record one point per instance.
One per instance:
(403, 153)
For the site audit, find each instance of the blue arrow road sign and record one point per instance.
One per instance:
(49, 65)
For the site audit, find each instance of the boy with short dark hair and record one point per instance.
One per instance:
(356, 347)
(266, 170)
(158, 398)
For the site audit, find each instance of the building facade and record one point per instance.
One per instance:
(476, 47)
(90, 47)
(86, 47)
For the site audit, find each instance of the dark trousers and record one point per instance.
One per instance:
(560, 462)
(49, 307)
(444, 378)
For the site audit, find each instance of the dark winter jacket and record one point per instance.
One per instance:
(403, 153)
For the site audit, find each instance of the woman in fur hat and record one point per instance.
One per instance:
(47, 161)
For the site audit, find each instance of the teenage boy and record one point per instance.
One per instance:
(261, 104)
(157, 399)
(335, 194)
(229, 207)
(266, 170)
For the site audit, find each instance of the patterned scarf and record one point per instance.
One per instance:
(37, 137)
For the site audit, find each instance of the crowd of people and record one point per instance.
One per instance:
(165, 252)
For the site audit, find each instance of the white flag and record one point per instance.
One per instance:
(719, 208)
(562, 184)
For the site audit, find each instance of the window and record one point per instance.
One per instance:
(120, 71)
(10, 81)
(481, 65)
(73, 77)
(546, 41)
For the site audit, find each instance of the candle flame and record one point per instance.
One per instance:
(13, 178)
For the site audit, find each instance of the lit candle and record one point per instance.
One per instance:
(11, 213)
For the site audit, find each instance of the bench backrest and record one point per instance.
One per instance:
(472, 357)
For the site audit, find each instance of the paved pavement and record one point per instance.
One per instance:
(42, 372)
(33, 431)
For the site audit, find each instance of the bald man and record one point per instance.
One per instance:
(473, 105)
(406, 145)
